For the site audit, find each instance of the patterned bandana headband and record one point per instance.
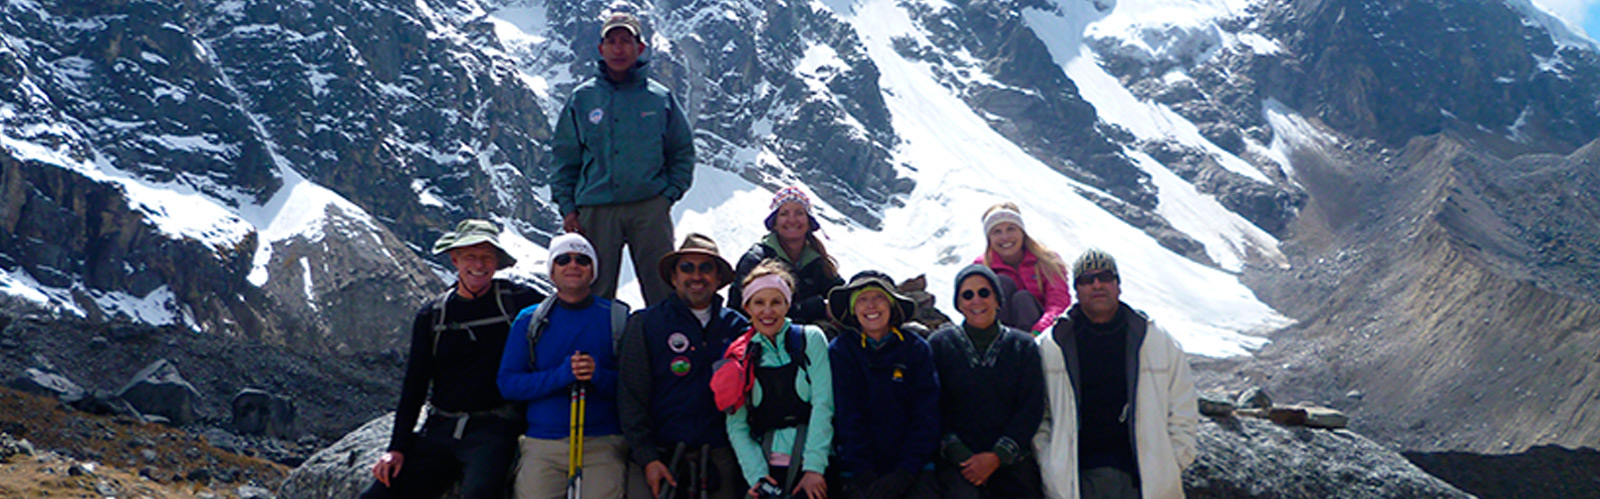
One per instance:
(1000, 216)
(769, 281)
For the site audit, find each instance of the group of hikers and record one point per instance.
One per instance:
(801, 384)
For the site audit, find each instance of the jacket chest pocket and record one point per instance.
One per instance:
(646, 122)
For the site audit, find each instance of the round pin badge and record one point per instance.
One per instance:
(681, 365)
(596, 115)
(678, 342)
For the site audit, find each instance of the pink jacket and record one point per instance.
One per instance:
(1053, 294)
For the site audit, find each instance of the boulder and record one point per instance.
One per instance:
(1249, 457)
(344, 469)
(47, 384)
(1255, 398)
(1215, 405)
(256, 412)
(104, 403)
(160, 390)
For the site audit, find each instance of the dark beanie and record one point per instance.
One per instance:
(983, 270)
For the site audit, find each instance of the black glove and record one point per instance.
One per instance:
(892, 485)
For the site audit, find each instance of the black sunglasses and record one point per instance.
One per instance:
(1085, 280)
(566, 258)
(705, 267)
(982, 293)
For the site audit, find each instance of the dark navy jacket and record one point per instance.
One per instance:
(666, 360)
(886, 403)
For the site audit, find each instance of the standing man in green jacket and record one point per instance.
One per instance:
(623, 154)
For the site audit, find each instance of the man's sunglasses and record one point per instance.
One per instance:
(1085, 280)
(981, 293)
(705, 267)
(566, 258)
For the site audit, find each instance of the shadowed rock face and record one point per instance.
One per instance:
(1249, 457)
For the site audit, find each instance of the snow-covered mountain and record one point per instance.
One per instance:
(277, 170)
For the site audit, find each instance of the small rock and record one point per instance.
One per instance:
(1355, 394)
(1255, 398)
(1323, 417)
(198, 475)
(253, 492)
(9, 343)
(1287, 416)
(148, 455)
(99, 342)
(105, 489)
(1216, 406)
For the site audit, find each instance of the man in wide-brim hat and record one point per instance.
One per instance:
(669, 414)
(456, 343)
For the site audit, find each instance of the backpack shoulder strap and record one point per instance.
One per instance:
(438, 305)
(536, 327)
(795, 342)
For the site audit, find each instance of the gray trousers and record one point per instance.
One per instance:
(646, 228)
(1107, 483)
(1022, 310)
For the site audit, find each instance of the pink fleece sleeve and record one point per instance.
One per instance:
(1056, 300)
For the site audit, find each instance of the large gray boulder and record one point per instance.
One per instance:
(160, 390)
(344, 469)
(47, 384)
(257, 412)
(1255, 458)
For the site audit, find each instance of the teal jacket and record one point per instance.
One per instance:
(620, 143)
(814, 387)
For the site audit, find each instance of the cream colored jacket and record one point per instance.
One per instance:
(1165, 421)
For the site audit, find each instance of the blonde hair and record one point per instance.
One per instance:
(1050, 263)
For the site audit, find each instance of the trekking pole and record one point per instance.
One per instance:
(668, 490)
(575, 442)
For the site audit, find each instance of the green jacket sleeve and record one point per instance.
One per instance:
(566, 154)
(678, 148)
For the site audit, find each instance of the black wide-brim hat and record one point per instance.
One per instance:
(839, 299)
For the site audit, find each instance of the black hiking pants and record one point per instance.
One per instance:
(481, 460)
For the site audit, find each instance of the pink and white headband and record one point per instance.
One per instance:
(769, 281)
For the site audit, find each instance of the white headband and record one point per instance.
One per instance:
(1000, 216)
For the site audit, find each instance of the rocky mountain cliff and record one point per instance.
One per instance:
(1415, 180)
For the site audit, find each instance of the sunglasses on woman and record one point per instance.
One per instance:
(981, 293)
(582, 259)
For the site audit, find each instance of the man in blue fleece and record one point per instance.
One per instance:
(573, 345)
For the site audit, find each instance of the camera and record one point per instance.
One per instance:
(765, 490)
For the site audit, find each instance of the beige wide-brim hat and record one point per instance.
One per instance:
(472, 232)
(699, 244)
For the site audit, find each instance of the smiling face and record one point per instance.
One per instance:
(575, 276)
(475, 265)
(767, 309)
(980, 309)
(792, 224)
(873, 311)
(693, 286)
(621, 51)
(1005, 239)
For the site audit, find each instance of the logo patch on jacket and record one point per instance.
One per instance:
(681, 365)
(596, 115)
(678, 342)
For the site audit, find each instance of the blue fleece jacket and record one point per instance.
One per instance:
(886, 403)
(582, 327)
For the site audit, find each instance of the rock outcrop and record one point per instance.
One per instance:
(1255, 458)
